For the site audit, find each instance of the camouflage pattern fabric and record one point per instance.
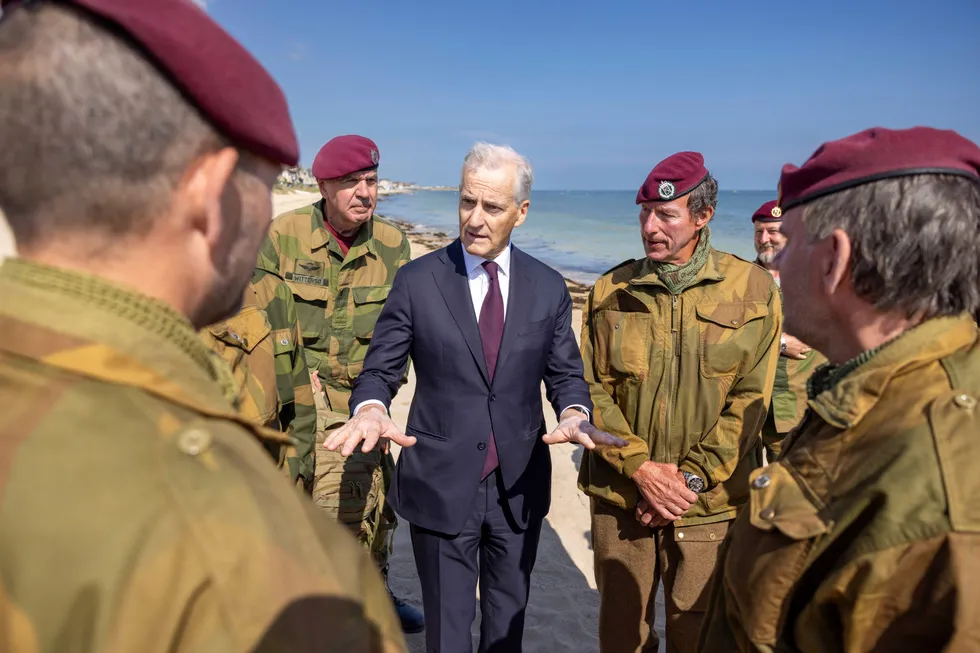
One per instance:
(338, 300)
(686, 378)
(865, 534)
(789, 399)
(263, 347)
(138, 512)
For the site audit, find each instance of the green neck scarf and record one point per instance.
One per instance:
(678, 278)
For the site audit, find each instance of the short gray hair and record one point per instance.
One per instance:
(491, 157)
(915, 242)
(703, 197)
(94, 138)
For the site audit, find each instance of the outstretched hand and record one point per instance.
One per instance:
(371, 424)
(577, 428)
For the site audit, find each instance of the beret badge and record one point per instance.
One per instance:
(666, 190)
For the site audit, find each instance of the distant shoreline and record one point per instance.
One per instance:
(433, 239)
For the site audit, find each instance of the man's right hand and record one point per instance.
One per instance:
(795, 348)
(663, 488)
(370, 424)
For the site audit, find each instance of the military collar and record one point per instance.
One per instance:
(93, 328)
(647, 273)
(321, 235)
(858, 392)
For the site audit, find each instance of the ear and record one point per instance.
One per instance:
(202, 190)
(321, 184)
(838, 263)
(705, 217)
(522, 212)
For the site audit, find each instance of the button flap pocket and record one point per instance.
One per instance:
(732, 315)
(307, 291)
(283, 341)
(370, 294)
(954, 421)
(245, 331)
(778, 501)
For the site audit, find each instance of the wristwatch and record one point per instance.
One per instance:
(695, 483)
(782, 344)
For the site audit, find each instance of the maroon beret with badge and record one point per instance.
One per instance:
(876, 154)
(216, 74)
(768, 212)
(344, 155)
(674, 177)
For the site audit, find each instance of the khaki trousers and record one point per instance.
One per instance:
(630, 561)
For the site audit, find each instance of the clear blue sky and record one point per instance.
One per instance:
(595, 93)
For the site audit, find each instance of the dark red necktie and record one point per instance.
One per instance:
(491, 330)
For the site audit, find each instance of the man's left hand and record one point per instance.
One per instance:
(647, 516)
(575, 427)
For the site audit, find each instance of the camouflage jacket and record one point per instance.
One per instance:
(865, 535)
(338, 298)
(788, 396)
(137, 510)
(263, 347)
(686, 378)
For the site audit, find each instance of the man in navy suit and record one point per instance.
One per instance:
(484, 324)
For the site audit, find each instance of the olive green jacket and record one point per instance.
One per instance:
(263, 347)
(865, 535)
(138, 512)
(338, 298)
(686, 378)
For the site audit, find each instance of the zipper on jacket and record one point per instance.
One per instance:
(673, 376)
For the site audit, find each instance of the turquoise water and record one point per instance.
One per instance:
(583, 233)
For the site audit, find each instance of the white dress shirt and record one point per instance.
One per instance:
(479, 282)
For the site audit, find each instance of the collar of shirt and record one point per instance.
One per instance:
(474, 263)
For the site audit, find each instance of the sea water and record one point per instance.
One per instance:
(582, 233)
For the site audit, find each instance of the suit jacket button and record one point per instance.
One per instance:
(493, 397)
(481, 446)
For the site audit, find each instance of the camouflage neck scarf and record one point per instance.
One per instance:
(151, 315)
(679, 278)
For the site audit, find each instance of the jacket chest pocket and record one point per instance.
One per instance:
(313, 303)
(730, 335)
(622, 343)
(368, 302)
(770, 550)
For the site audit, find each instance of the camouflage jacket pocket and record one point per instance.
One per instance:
(622, 344)
(730, 335)
(768, 555)
(243, 331)
(368, 302)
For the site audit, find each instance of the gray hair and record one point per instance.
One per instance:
(487, 156)
(915, 242)
(703, 197)
(94, 138)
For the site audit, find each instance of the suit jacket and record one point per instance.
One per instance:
(429, 316)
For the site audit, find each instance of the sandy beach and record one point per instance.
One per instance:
(563, 607)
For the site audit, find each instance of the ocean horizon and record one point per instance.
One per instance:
(582, 234)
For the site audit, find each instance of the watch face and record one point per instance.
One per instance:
(694, 483)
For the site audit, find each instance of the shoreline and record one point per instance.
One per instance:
(433, 239)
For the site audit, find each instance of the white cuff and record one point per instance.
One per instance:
(365, 403)
(585, 410)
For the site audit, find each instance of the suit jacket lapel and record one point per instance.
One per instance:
(453, 283)
(519, 301)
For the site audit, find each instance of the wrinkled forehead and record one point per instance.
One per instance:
(673, 207)
(490, 182)
(772, 226)
(358, 176)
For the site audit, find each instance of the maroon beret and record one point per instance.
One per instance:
(768, 212)
(343, 155)
(876, 154)
(674, 177)
(216, 74)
